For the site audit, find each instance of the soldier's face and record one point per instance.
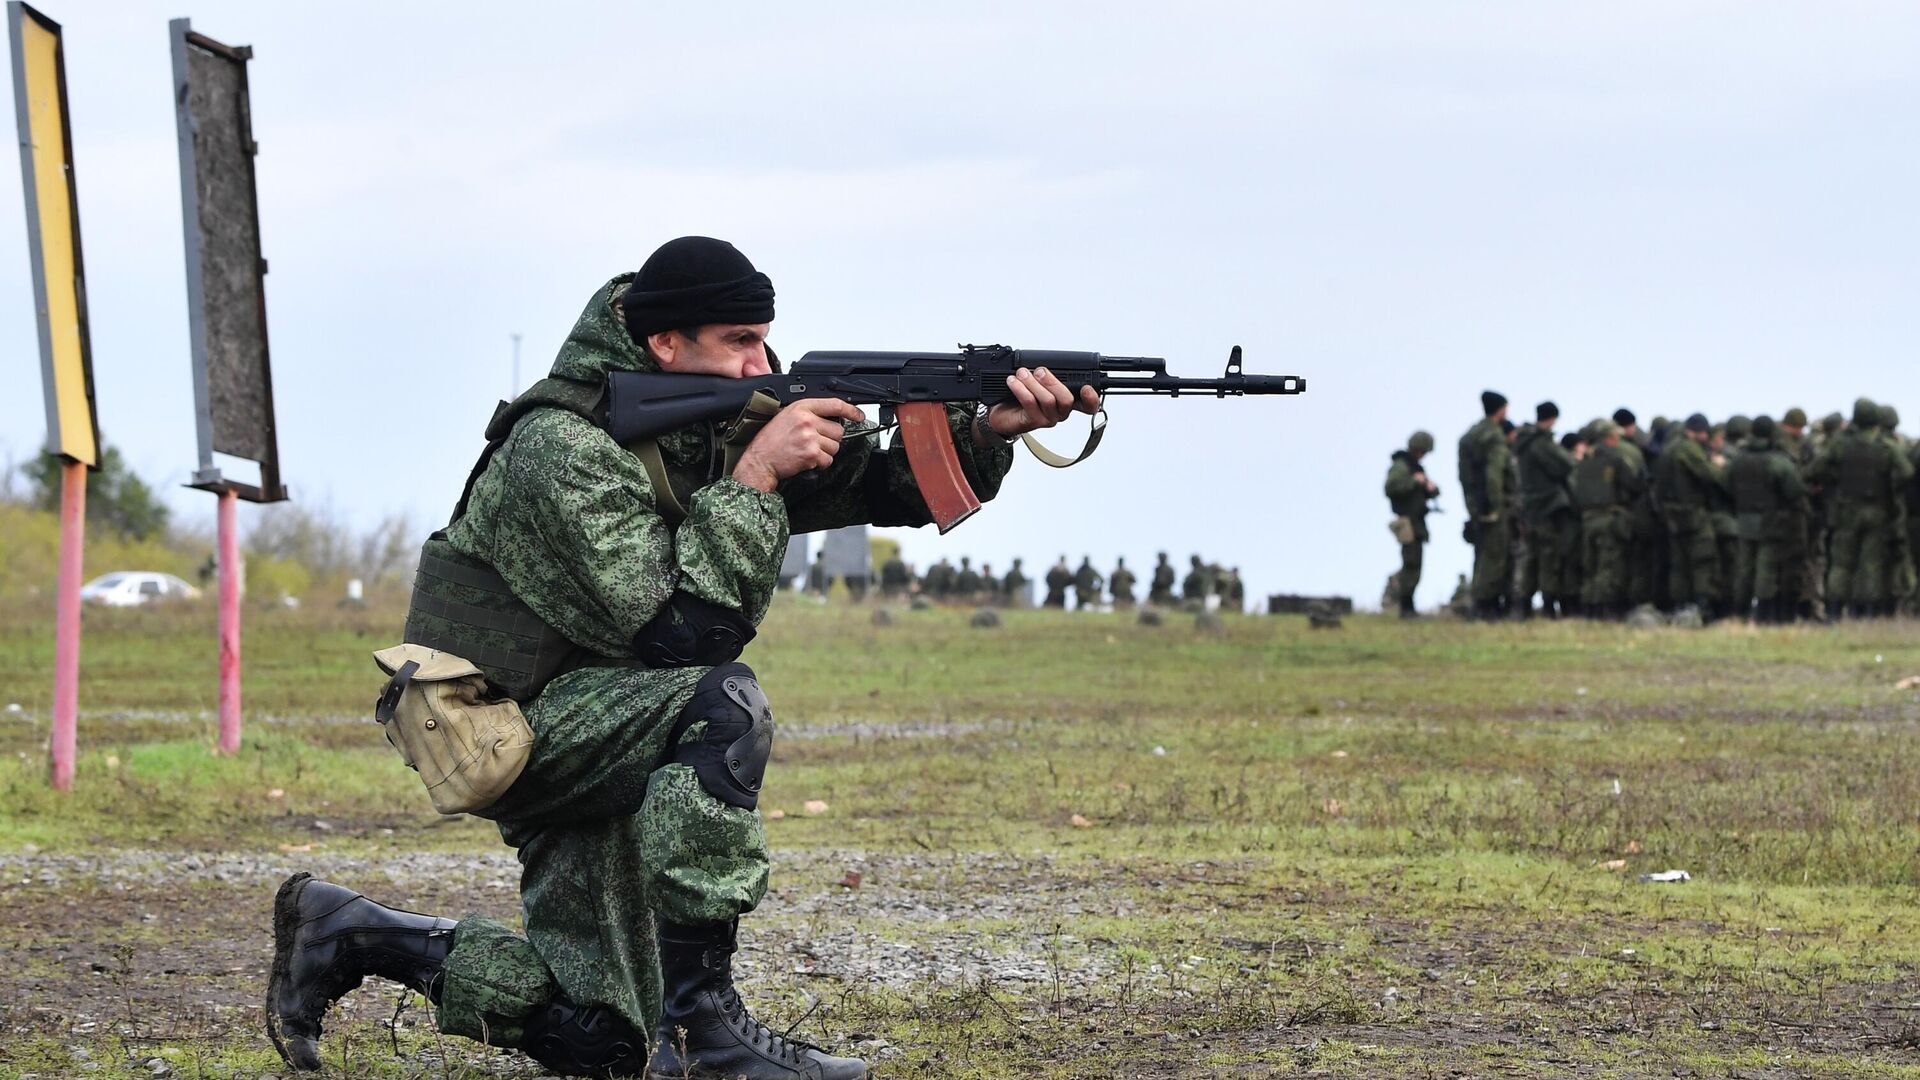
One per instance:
(734, 351)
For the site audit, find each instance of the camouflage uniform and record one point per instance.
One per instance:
(1687, 479)
(1407, 497)
(609, 837)
(1121, 583)
(1553, 525)
(1161, 591)
(1770, 509)
(1605, 485)
(1086, 585)
(1484, 458)
(1196, 586)
(1865, 472)
(1058, 580)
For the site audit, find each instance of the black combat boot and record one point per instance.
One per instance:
(325, 940)
(1406, 608)
(705, 1031)
(593, 1041)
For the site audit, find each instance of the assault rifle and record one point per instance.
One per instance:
(912, 389)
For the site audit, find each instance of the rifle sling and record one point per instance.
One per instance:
(1060, 461)
(754, 416)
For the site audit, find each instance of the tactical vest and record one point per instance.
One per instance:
(1678, 488)
(1594, 481)
(1410, 504)
(1865, 464)
(1751, 479)
(462, 606)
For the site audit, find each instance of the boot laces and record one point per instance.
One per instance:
(783, 1047)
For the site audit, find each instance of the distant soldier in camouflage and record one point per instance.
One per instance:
(1643, 560)
(1059, 580)
(939, 582)
(1904, 583)
(1234, 594)
(967, 583)
(1686, 480)
(895, 577)
(1797, 444)
(1770, 507)
(1409, 492)
(1605, 485)
(1121, 585)
(1013, 588)
(1087, 583)
(1197, 585)
(1553, 525)
(1865, 472)
(635, 820)
(1722, 449)
(1483, 482)
(1160, 592)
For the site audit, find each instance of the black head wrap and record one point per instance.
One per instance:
(1492, 401)
(694, 281)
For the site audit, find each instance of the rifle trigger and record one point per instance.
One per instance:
(886, 416)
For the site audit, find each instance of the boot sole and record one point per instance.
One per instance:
(286, 921)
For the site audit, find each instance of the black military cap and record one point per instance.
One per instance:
(1763, 427)
(1546, 410)
(1698, 422)
(1492, 401)
(1624, 417)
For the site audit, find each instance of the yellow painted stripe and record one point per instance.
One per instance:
(40, 51)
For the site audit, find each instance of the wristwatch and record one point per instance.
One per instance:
(985, 430)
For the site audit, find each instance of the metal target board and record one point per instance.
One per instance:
(226, 275)
(53, 233)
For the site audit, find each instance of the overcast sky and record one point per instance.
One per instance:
(1671, 206)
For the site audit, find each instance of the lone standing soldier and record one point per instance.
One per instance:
(1086, 585)
(635, 819)
(1483, 481)
(1770, 508)
(1553, 526)
(1160, 593)
(1058, 580)
(1408, 492)
(1121, 584)
(1686, 480)
(1605, 484)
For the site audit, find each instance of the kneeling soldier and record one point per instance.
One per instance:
(635, 818)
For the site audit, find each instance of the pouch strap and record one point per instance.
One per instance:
(664, 499)
(396, 686)
(1059, 461)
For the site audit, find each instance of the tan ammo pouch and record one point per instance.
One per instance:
(468, 746)
(1402, 529)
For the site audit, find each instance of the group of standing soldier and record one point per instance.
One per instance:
(1751, 518)
(945, 583)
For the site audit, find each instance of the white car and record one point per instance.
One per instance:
(130, 588)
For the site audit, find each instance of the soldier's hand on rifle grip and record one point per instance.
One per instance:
(1040, 400)
(802, 436)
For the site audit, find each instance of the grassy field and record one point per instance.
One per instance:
(1094, 848)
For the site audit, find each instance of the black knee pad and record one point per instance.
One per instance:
(730, 758)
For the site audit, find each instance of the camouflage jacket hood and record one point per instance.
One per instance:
(599, 342)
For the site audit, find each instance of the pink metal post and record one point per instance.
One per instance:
(66, 623)
(229, 623)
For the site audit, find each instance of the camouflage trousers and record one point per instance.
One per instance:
(1768, 570)
(1408, 579)
(1695, 562)
(1643, 554)
(1554, 543)
(1493, 560)
(1605, 536)
(609, 840)
(1860, 568)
